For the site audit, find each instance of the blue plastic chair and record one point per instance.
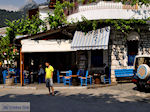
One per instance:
(67, 78)
(84, 80)
(59, 77)
(5, 74)
(26, 80)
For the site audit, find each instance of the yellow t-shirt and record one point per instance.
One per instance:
(49, 71)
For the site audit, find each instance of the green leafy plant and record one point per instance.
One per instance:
(8, 51)
(58, 18)
(25, 26)
(22, 26)
(87, 25)
(86, 1)
(125, 26)
(134, 2)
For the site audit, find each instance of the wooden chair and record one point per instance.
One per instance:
(59, 77)
(86, 79)
(67, 78)
(107, 79)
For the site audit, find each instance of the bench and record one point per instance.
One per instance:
(124, 73)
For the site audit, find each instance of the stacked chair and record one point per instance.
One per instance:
(59, 77)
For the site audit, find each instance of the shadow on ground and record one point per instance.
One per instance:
(79, 103)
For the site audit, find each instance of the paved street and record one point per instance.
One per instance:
(120, 98)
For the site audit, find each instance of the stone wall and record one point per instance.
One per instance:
(105, 57)
(144, 47)
(118, 58)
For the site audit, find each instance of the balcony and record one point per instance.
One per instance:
(109, 10)
(111, 5)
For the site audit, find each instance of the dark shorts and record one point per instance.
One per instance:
(49, 82)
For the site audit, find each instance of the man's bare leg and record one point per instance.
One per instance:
(49, 90)
(52, 90)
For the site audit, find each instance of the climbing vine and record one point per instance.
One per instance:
(134, 2)
(86, 1)
(58, 18)
(125, 26)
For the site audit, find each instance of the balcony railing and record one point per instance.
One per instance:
(111, 5)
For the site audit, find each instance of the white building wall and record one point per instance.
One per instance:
(44, 11)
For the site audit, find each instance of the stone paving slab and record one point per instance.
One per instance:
(58, 86)
(41, 86)
(118, 98)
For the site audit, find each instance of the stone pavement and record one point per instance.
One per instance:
(119, 98)
(56, 85)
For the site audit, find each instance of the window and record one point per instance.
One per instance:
(132, 51)
(97, 58)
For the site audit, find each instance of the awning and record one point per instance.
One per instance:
(29, 46)
(97, 39)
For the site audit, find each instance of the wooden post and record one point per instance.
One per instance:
(23, 63)
(21, 68)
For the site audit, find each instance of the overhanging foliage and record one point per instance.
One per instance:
(134, 2)
(125, 26)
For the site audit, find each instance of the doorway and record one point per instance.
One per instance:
(132, 51)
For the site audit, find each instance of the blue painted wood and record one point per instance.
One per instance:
(59, 78)
(86, 79)
(108, 79)
(67, 79)
(124, 73)
(5, 74)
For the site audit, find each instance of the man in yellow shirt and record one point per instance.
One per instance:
(49, 77)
